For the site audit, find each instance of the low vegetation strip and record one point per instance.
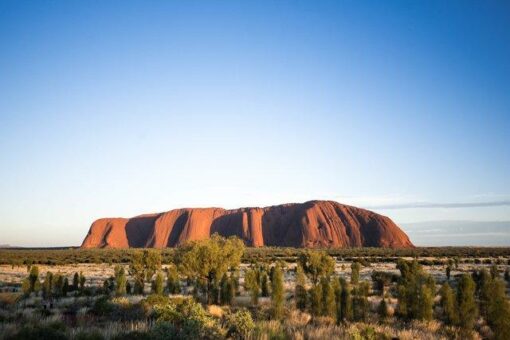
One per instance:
(218, 289)
(23, 256)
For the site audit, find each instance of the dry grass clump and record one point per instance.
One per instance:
(215, 310)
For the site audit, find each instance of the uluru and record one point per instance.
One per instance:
(312, 224)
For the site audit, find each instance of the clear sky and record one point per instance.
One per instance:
(116, 108)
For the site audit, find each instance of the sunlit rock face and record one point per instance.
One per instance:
(311, 224)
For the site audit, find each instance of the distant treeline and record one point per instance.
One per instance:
(53, 256)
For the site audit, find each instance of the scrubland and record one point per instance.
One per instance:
(218, 289)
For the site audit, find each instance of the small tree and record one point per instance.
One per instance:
(347, 313)
(234, 277)
(158, 286)
(483, 288)
(277, 292)
(448, 272)
(252, 284)
(316, 265)
(227, 290)
(206, 261)
(467, 308)
(173, 282)
(337, 288)
(82, 281)
(328, 298)
(120, 280)
(448, 304)
(360, 301)
(316, 300)
(143, 267)
(355, 268)
(300, 289)
(65, 287)
(498, 310)
(426, 303)
(58, 284)
(382, 310)
(264, 284)
(415, 291)
(76, 281)
(33, 278)
(48, 285)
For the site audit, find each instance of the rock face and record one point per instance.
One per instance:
(310, 224)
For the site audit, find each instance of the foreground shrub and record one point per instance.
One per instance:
(52, 331)
(187, 320)
(239, 324)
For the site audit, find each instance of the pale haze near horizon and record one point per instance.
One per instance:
(126, 108)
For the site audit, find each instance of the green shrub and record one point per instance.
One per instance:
(239, 324)
(102, 307)
(189, 319)
(91, 335)
(52, 331)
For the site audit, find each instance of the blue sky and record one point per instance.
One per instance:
(124, 107)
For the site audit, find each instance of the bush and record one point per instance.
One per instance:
(189, 319)
(93, 335)
(239, 324)
(102, 307)
(52, 331)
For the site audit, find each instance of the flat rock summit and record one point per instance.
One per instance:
(311, 224)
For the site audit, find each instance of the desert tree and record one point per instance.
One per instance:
(172, 279)
(355, 268)
(48, 285)
(264, 284)
(360, 304)
(316, 265)
(316, 300)
(206, 261)
(82, 282)
(300, 289)
(158, 285)
(143, 266)
(33, 279)
(346, 301)
(498, 310)
(448, 305)
(25, 287)
(381, 280)
(58, 284)
(426, 303)
(277, 292)
(467, 308)
(337, 289)
(252, 284)
(382, 310)
(415, 291)
(483, 282)
(76, 281)
(65, 286)
(120, 280)
(328, 298)
(227, 290)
